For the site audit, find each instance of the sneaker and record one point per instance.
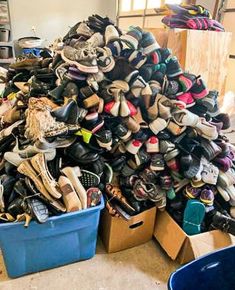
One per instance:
(192, 192)
(149, 43)
(133, 37)
(96, 40)
(84, 30)
(84, 58)
(207, 196)
(111, 34)
(157, 162)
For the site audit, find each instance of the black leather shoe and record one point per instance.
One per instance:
(69, 113)
(81, 154)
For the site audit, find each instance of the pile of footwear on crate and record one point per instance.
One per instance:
(113, 113)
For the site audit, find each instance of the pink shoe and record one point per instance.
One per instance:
(187, 98)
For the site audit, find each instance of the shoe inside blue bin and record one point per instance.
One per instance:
(61, 240)
(213, 271)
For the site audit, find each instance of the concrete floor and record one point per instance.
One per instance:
(143, 267)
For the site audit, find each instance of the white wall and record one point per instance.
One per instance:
(52, 18)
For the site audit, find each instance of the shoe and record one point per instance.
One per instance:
(149, 43)
(194, 214)
(96, 40)
(223, 223)
(116, 194)
(152, 145)
(83, 58)
(39, 164)
(81, 154)
(94, 196)
(26, 169)
(73, 174)
(111, 34)
(70, 197)
(133, 146)
(133, 37)
(207, 196)
(84, 30)
(157, 162)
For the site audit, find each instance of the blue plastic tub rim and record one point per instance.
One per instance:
(192, 262)
(64, 215)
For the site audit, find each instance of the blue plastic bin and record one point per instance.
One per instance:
(61, 240)
(210, 272)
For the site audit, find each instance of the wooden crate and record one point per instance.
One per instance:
(204, 53)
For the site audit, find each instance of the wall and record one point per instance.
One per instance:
(52, 18)
(209, 4)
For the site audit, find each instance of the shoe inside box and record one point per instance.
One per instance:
(182, 247)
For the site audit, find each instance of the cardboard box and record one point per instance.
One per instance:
(183, 248)
(118, 234)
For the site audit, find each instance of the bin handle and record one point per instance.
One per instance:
(136, 225)
(210, 266)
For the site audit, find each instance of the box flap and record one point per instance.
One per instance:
(210, 241)
(169, 235)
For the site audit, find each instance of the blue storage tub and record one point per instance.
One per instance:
(61, 240)
(213, 271)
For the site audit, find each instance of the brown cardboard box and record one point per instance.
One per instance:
(183, 248)
(118, 234)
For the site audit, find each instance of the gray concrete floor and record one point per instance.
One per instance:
(145, 267)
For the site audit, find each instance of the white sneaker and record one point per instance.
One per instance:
(84, 30)
(96, 40)
(111, 34)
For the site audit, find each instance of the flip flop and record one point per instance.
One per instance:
(194, 214)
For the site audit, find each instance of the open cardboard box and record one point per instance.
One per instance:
(183, 248)
(118, 234)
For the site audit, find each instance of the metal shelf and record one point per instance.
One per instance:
(7, 43)
(7, 60)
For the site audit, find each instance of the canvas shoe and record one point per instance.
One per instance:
(96, 40)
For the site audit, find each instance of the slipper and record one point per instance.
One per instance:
(194, 214)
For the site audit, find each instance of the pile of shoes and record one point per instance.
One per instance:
(189, 16)
(113, 113)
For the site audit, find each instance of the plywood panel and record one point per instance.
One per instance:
(125, 23)
(161, 35)
(228, 23)
(154, 21)
(230, 4)
(207, 54)
(203, 53)
(230, 85)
